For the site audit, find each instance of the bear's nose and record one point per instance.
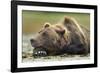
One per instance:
(32, 40)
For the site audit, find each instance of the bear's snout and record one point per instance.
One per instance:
(33, 42)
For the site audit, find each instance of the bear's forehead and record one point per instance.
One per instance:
(49, 29)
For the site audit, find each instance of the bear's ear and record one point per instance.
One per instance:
(46, 25)
(60, 31)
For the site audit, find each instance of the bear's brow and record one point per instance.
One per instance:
(43, 30)
(40, 31)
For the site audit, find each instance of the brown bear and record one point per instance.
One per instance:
(67, 37)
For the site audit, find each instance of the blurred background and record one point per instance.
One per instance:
(34, 20)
